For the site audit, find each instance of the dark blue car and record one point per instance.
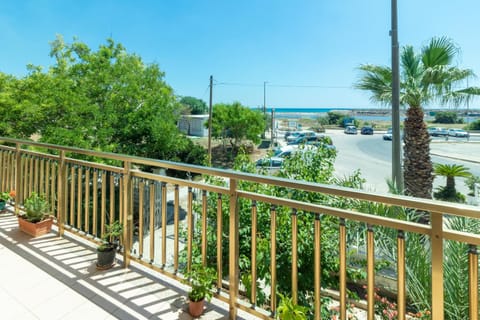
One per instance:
(366, 130)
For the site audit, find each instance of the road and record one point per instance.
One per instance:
(372, 156)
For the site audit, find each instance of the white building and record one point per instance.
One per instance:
(193, 125)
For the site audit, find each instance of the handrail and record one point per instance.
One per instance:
(88, 195)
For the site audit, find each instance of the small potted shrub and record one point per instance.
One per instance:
(287, 310)
(4, 197)
(202, 280)
(36, 220)
(110, 242)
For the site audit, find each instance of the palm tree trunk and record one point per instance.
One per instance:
(451, 184)
(417, 175)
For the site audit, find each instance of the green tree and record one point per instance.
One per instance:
(474, 125)
(106, 100)
(449, 192)
(427, 76)
(334, 117)
(195, 106)
(447, 117)
(234, 123)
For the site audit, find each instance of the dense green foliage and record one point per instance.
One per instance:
(314, 165)
(233, 123)
(474, 125)
(447, 117)
(194, 105)
(107, 100)
(337, 118)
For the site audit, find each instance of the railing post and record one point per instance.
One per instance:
(61, 187)
(18, 175)
(126, 214)
(233, 250)
(436, 238)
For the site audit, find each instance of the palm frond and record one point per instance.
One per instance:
(439, 51)
(411, 63)
(377, 80)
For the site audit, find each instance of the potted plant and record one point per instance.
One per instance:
(287, 310)
(110, 242)
(201, 279)
(4, 197)
(36, 220)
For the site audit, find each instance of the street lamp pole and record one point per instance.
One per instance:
(210, 122)
(397, 177)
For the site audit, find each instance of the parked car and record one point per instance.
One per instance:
(271, 163)
(297, 141)
(366, 130)
(285, 151)
(310, 135)
(388, 134)
(437, 132)
(350, 130)
(289, 133)
(459, 133)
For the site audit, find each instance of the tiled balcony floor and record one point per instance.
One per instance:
(56, 278)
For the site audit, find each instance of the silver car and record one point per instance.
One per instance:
(351, 130)
(459, 133)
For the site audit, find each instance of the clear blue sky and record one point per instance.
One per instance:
(307, 50)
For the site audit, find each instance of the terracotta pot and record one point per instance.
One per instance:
(196, 308)
(35, 229)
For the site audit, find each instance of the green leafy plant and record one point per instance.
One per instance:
(111, 238)
(287, 310)
(36, 207)
(201, 279)
(470, 183)
(4, 196)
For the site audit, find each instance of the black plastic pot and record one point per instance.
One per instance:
(105, 258)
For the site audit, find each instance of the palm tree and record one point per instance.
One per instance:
(427, 76)
(450, 171)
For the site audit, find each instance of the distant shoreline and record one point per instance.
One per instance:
(373, 114)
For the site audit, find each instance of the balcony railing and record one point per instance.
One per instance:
(166, 222)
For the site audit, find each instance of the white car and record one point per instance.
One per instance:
(388, 134)
(350, 130)
(459, 133)
(270, 163)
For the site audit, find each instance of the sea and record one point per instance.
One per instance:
(371, 114)
(314, 113)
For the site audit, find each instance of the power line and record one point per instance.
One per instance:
(308, 86)
(242, 84)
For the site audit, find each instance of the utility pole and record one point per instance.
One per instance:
(264, 106)
(397, 176)
(210, 123)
